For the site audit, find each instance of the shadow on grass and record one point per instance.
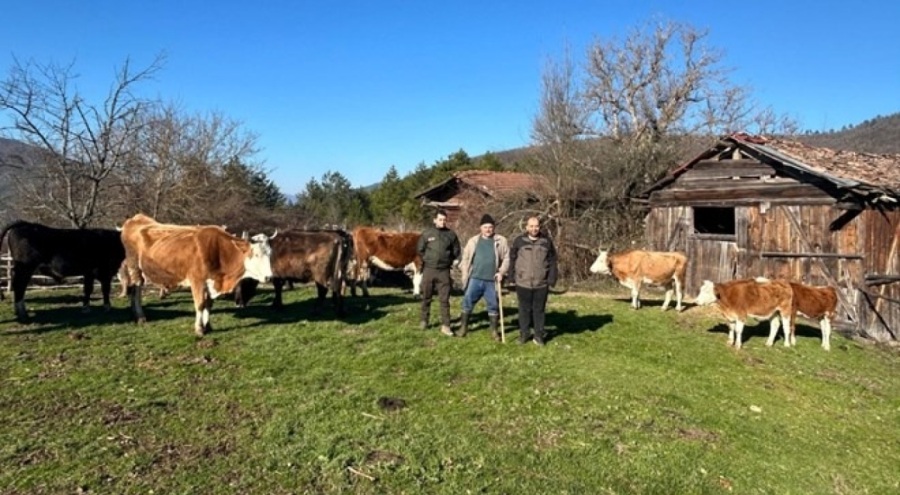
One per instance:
(570, 322)
(44, 320)
(357, 310)
(762, 329)
(655, 304)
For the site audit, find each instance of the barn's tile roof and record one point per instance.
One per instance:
(874, 170)
(872, 177)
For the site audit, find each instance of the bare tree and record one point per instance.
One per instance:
(82, 144)
(177, 171)
(663, 79)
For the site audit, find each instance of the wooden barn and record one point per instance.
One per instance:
(751, 206)
(469, 194)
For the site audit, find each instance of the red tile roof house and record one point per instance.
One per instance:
(469, 194)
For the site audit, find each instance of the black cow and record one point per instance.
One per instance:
(318, 256)
(59, 253)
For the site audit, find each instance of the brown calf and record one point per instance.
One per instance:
(760, 298)
(387, 251)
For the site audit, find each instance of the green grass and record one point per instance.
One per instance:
(619, 401)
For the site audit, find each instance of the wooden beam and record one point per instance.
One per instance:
(778, 254)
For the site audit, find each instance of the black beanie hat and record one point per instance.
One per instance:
(487, 219)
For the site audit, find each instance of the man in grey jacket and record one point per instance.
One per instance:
(534, 271)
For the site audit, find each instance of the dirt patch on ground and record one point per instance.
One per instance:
(383, 457)
(697, 435)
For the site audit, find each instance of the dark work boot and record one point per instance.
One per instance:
(463, 325)
(423, 323)
(495, 334)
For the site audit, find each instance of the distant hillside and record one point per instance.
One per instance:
(878, 135)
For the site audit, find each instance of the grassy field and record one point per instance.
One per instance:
(619, 401)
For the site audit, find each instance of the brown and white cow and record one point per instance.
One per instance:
(760, 298)
(318, 256)
(206, 258)
(815, 303)
(387, 251)
(636, 267)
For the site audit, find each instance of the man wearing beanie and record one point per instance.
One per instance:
(439, 248)
(485, 260)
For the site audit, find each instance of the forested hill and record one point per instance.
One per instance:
(878, 135)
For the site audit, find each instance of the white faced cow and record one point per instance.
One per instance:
(635, 267)
(207, 259)
(760, 298)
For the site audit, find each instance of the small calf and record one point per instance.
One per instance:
(760, 298)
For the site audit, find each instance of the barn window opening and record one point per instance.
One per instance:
(714, 221)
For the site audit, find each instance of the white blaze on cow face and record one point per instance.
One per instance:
(707, 294)
(259, 264)
(601, 264)
(416, 279)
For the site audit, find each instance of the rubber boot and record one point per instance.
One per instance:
(495, 334)
(463, 325)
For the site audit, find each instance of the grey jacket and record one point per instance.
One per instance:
(534, 262)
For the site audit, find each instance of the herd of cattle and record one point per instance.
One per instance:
(212, 261)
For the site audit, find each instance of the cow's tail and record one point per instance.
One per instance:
(340, 263)
(6, 229)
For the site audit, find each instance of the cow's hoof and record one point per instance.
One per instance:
(769, 344)
(201, 331)
(141, 321)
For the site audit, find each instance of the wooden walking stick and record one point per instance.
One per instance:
(500, 306)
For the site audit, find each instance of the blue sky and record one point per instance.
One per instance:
(358, 86)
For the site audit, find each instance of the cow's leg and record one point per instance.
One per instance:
(105, 289)
(787, 327)
(335, 299)
(730, 333)
(738, 330)
(88, 280)
(364, 279)
(417, 282)
(136, 304)
(636, 294)
(679, 295)
(201, 308)
(668, 299)
(774, 323)
(278, 284)
(825, 325)
(21, 275)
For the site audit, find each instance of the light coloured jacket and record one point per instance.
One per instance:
(501, 257)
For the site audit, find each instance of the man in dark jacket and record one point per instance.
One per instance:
(534, 270)
(439, 249)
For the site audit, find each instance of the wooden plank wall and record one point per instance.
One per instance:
(880, 304)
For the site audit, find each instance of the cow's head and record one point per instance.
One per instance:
(707, 294)
(601, 264)
(258, 264)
